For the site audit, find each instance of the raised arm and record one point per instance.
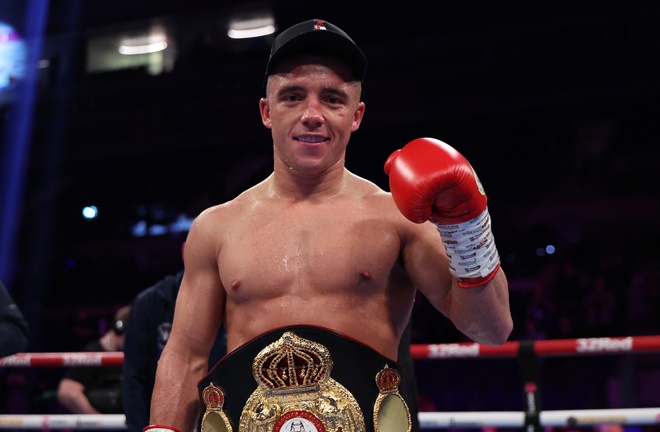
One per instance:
(175, 404)
(458, 270)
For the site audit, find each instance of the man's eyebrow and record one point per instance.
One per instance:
(335, 92)
(327, 91)
(291, 88)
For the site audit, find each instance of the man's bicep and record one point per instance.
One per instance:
(201, 297)
(426, 264)
(197, 317)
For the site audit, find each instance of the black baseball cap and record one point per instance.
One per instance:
(316, 36)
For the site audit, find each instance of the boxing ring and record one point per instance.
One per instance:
(531, 418)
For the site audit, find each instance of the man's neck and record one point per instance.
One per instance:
(288, 184)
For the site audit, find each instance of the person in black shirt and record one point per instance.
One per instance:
(13, 327)
(97, 389)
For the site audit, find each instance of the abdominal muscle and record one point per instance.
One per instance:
(363, 319)
(367, 325)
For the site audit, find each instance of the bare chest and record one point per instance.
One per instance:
(315, 249)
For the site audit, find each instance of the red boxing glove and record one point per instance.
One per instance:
(430, 180)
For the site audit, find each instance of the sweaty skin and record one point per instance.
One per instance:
(311, 244)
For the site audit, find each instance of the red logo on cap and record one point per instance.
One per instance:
(319, 25)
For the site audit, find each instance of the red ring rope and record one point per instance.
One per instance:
(64, 359)
(584, 346)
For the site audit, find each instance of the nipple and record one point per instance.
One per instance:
(366, 275)
(235, 284)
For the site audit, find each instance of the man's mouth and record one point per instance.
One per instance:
(312, 139)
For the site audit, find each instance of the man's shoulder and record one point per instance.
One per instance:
(378, 201)
(212, 225)
(211, 217)
(362, 186)
(227, 208)
(371, 192)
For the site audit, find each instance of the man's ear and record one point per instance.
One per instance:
(357, 117)
(264, 109)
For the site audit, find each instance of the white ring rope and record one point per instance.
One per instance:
(63, 421)
(628, 416)
(427, 420)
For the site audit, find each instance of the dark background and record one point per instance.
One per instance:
(555, 104)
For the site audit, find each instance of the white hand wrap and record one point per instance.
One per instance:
(471, 250)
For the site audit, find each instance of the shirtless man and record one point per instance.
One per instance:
(314, 245)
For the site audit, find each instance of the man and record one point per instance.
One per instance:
(147, 332)
(98, 389)
(314, 270)
(14, 330)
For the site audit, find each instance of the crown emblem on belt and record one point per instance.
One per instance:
(292, 364)
(388, 380)
(213, 397)
(215, 418)
(296, 392)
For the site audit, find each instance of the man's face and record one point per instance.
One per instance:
(312, 107)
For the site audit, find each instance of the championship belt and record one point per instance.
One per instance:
(304, 378)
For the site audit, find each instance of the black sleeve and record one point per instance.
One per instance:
(13, 327)
(139, 358)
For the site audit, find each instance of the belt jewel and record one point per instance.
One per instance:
(295, 392)
(391, 413)
(214, 420)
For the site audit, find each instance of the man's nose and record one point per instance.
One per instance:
(312, 116)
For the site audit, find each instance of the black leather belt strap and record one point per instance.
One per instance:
(355, 366)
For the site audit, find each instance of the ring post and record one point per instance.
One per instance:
(529, 376)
